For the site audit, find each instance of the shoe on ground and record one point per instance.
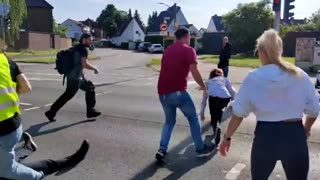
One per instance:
(50, 117)
(206, 151)
(93, 113)
(161, 155)
(28, 142)
(77, 157)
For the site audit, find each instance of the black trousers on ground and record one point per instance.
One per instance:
(72, 88)
(48, 166)
(216, 105)
(283, 141)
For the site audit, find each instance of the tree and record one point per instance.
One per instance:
(18, 12)
(315, 19)
(59, 29)
(247, 22)
(130, 14)
(111, 19)
(152, 20)
(138, 18)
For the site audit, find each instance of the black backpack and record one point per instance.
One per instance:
(64, 61)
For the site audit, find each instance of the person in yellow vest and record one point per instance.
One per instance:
(12, 83)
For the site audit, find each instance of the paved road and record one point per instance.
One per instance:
(125, 139)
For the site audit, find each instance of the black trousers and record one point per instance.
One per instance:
(72, 88)
(283, 141)
(48, 166)
(216, 105)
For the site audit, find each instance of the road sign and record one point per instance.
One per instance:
(163, 27)
(4, 9)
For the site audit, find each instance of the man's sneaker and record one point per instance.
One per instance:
(217, 136)
(161, 155)
(77, 157)
(28, 142)
(93, 113)
(207, 150)
(50, 116)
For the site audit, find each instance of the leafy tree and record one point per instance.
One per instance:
(111, 19)
(138, 18)
(18, 12)
(152, 20)
(59, 29)
(247, 22)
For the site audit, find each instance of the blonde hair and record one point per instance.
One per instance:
(270, 44)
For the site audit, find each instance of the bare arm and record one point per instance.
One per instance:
(85, 64)
(233, 126)
(197, 76)
(24, 85)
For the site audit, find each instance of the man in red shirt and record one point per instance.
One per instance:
(177, 61)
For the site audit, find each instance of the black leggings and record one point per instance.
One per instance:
(216, 105)
(283, 141)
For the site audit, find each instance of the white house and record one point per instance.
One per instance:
(75, 28)
(168, 16)
(215, 24)
(129, 32)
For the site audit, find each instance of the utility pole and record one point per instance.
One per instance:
(277, 9)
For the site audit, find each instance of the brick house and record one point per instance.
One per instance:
(36, 31)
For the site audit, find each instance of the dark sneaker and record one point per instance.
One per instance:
(161, 155)
(217, 136)
(77, 157)
(28, 142)
(207, 150)
(50, 116)
(93, 113)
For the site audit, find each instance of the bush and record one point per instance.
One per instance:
(125, 45)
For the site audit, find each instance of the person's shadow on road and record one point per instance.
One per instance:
(179, 160)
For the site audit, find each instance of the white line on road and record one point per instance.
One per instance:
(102, 93)
(34, 108)
(25, 104)
(44, 79)
(191, 82)
(235, 171)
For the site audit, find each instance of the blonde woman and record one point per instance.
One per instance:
(278, 93)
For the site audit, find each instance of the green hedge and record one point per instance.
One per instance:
(154, 39)
(168, 42)
(125, 45)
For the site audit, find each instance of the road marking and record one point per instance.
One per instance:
(102, 93)
(235, 171)
(44, 79)
(34, 108)
(44, 74)
(25, 104)
(191, 82)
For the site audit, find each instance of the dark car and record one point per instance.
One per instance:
(144, 46)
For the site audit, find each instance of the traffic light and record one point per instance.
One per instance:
(276, 5)
(287, 7)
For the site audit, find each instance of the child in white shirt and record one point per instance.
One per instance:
(220, 92)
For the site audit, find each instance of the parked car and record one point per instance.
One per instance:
(156, 48)
(144, 46)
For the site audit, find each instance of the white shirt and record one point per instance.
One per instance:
(217, 87)
(274, 95)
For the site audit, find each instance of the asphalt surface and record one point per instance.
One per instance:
(126, 137)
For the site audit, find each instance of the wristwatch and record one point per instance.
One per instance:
(228, 139)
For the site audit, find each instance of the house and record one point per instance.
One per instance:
(215, 24)
(36, 31)
(75, 28)
(130, 31)
(96, 30)
(168, 16)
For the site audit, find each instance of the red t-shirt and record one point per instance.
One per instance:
(175, 67)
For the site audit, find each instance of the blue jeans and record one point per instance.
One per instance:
(9, 167)
(170, 103)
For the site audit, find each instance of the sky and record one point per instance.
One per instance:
(197, 12)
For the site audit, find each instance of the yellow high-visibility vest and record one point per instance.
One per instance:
(9, 100)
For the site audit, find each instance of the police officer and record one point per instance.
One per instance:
(76, 81)
(12, 83)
